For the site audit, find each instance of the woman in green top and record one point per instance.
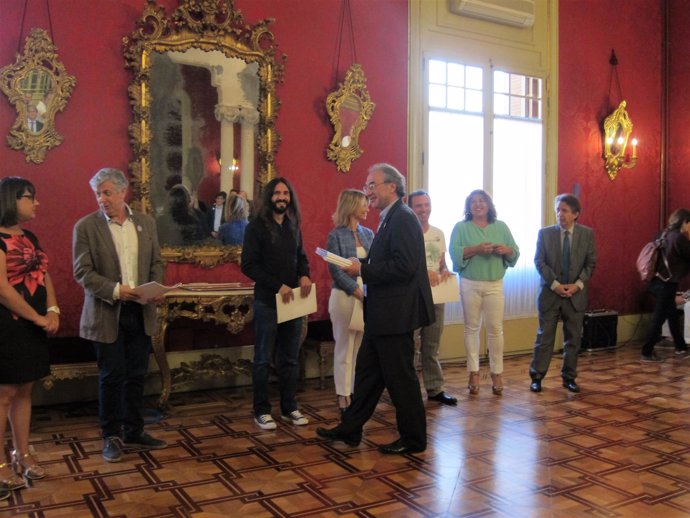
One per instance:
(481, 248)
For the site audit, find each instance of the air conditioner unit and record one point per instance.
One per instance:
(518, 13)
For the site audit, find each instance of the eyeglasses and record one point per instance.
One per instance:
(32, 197)
(371, 186)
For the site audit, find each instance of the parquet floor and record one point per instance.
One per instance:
(621, 448)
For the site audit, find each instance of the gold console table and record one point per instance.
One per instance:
(230, 304)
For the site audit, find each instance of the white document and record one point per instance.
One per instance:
(297, 307)
(332, 258)
(357, 318)
(152, 290)
(446, 291)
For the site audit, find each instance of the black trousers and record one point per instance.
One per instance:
(664, 309)
(122, 367)
(387, 361)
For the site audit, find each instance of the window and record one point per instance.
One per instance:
(485, 131)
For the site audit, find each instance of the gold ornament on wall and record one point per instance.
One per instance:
(243, 67)
(617, 130)
(350, 109)
(38, 86)
(350, 106)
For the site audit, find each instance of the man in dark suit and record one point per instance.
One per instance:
(32, 121)
(216, 215)
(565, 259)
(116, 249)
(398, 301)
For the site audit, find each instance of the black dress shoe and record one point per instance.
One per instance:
(444, 399)
(399, 448)
(571, 386)
(535, 386)
(334, 434)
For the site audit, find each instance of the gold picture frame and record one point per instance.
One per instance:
(201, 26)
(350, 109)
(38, 86)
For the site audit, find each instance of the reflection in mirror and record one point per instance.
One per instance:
(349, 109)
(203, 115)
(38, 86)
(204, 120)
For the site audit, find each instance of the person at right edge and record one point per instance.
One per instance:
(676, 249)
(565, 260)
(398, 300)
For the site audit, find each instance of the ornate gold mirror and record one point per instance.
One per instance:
(204, 110)
(38, 86)
(349, 109)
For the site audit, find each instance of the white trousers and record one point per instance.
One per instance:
(483, 298)
(347, 342)
(665, 331)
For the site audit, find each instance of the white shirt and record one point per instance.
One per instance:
(217, 213)
(126, 244)
(435, 248)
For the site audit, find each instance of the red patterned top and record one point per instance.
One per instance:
(27, 264)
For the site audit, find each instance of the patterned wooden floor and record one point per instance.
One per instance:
(620, 448)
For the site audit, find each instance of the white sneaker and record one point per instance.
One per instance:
(265, 422)
(295, 417)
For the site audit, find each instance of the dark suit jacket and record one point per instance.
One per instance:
(97, 270)
(211, 216)
(398, 292)
(548, 262)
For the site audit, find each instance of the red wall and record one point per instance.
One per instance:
(623, 212)
(679, 95)
(89, 35)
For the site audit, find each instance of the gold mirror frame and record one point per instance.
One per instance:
(39, 62)
(208, 25)
(353, 96)
(617, 130)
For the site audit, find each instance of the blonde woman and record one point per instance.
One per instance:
(236, 212)
(348, 239)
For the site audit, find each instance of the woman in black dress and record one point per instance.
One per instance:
(28, 311)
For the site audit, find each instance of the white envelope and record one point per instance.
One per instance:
(357, 318)
(152, 290)
(297, 307)
(446, 291)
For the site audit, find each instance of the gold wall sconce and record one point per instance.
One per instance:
(617, 130)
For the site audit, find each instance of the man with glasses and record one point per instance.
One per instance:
(398, 301)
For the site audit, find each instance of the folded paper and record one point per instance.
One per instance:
(446, 291)
(297, 307)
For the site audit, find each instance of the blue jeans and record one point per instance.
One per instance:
(122, 367)
(285, 340)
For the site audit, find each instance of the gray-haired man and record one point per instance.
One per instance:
(116, 249)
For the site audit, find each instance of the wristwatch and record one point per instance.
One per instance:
(54, 309)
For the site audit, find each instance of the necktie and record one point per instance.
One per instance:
(565, 260)
(33, 126)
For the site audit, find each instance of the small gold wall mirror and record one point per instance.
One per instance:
(350, 109)
(38, 86)
(617, 130)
